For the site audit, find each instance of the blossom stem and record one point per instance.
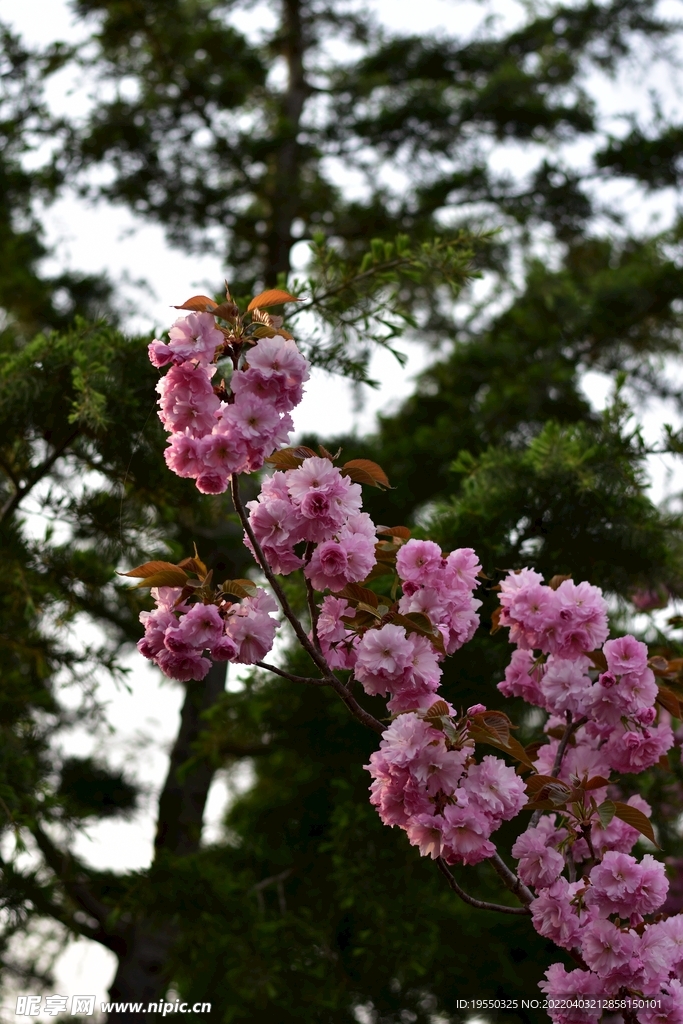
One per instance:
(511, 880)
(473, 902)
(289, 675)
(569, 731)
(310, 597)
(316, 656)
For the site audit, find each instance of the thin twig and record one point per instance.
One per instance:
(473, 902)
(511, 880)
(310, 598)
(292, 678)
(316, 657)
(569, 731)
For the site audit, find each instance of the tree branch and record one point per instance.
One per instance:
(62, 864)
(292, 678)
(569, 731)
(473, 902)
(32, 890)
(511, 881)
(37, 475)
(316, 657)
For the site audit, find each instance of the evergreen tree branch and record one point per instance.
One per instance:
(471, 900)
(75, 885)
(40, 471)
(36, 893)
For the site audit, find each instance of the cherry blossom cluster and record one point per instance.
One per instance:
(318, 508)
(602, 917)
(447, 803)
(618, 707)
(587, 892)
(426, 782)
(178, 635)
(403, 664)
(216, 432)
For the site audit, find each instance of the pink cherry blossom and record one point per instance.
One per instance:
(383, 657)
(553, 915)
(539, 864)
(195, 337)
(625, 654)
(465, 835)
(606, 948)
(496, 788)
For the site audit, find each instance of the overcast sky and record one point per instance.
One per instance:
(112, 241)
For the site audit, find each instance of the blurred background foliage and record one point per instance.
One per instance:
(520, 283)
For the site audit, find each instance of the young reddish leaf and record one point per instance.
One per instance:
(284, 459)
(437, 710)
(226, 310)
(416, 622)
(166, 578)
(557, 792)
(670, 701)
(599, 660)
(354, 592)
(606, 812)
(199, 304)
(193, 565)
(380, 569)
(149, 569)
(597, 782)
(535, 783)
(659, 665)
(402, 532)
(480, 734)
(636, 819)
(271, 297)
(239, 588)
(556, 581)
(263, 332)
(495, 620)
(324, 454)
(497, 722)
(515, 748)
(364, 471)
(664, 763)
(302, 452)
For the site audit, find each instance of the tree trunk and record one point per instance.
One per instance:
(284, 193)
(142, 974)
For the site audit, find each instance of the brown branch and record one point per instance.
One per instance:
(290, 675)
(511, 881)
(37, 475)
(316, 657)
(473, 902)
(310, 598)
(569, 731)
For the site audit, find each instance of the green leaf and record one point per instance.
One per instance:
(606, 812)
